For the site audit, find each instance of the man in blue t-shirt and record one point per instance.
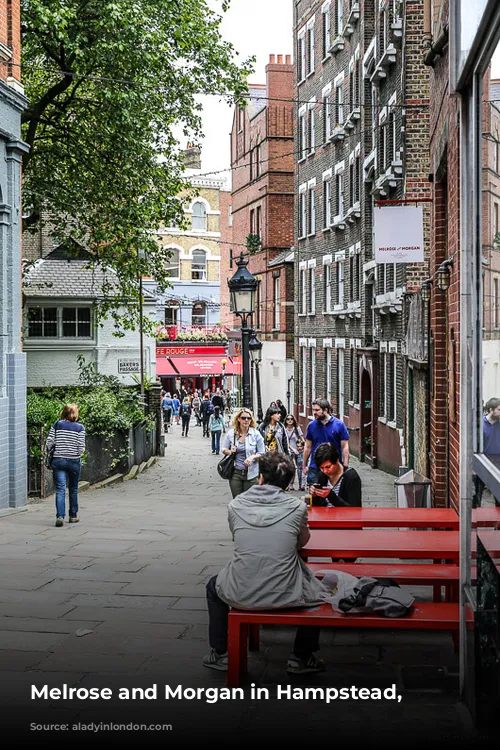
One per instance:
(491, 445)
(324, 429)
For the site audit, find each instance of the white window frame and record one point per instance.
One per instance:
(327, 270)
(302, 135)
(303, 365)
(277, 302)
(303, 291)
(340, 16)
(311, 205)
(312, 130)
(340, 282)
(301, 43)
(339, 189)
(339, 103)
(203, 217)
(327, 114)
(202, 270)
(327, 32)
(302, 214)
(311, 49)
(311, 283)
(327, 203)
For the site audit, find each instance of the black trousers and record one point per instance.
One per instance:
(205, 420)
(306, 638)
(185, 425)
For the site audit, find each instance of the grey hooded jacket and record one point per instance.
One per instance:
(268, 528)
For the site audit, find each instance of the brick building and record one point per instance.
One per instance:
(262, 204)
(361, 136)
(12, 361)
(491, 236)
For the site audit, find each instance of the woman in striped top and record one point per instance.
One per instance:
(68, 437)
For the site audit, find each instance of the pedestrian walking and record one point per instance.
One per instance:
(176, 405)
(216, 426)
(185, 413)
(246, 442)
(196, 404)
(206, 410)
(293, 434)
(66, 443)
(324, 428)
(273, 431)
(281, 406)
(167, 406)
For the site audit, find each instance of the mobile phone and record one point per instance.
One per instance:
(319, 486)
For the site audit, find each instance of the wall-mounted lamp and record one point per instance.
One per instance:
(425, 290)
(444, 275)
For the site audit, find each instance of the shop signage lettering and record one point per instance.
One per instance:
(179, 351)
(399, 234)
(128, 365)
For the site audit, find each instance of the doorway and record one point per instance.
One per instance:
(366, 446)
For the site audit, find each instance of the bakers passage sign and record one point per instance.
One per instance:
(180, 351)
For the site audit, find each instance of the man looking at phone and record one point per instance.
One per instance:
(324, 428)
(336, 486)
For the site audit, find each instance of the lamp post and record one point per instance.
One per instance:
(255, 347)
(141, 255)
(223, 365)
(242, 288)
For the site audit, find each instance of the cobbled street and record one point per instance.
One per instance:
(118, 600)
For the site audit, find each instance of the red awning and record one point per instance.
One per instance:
(200, 366)
(164, 367)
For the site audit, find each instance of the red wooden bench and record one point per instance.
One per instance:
(358, 518)
(421, 574)
(243, 624)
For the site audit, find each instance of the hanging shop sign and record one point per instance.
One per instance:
(399, 234)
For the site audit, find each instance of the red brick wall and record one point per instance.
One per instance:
(10, 35)
(272, 191)
(445, 306)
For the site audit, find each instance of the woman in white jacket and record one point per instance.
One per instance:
(247, 443)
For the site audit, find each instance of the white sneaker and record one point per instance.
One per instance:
(213, 660)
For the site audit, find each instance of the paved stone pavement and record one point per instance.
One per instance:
(118, 600)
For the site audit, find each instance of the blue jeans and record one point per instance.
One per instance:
(70, 468)
(216, 440)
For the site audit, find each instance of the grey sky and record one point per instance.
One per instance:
(254, 27)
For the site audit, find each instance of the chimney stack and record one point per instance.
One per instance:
(192, 157)
(288, 59)
(271, 59)
(280, 59)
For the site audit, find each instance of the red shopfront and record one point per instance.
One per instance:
(193, 367)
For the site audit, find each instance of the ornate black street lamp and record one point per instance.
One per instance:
(255, 347)
(242, 287)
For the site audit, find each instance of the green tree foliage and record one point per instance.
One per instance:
(108, 81)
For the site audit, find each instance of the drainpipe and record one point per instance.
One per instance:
(427, 35)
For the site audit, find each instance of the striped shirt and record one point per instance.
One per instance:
(69, 439)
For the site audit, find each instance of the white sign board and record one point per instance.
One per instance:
(128, 365)
(399, 234)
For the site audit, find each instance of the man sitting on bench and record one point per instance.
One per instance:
(266, 572)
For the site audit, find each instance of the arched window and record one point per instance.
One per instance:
(172, 264)
(199, 266)
(199, 315)
(199, 221)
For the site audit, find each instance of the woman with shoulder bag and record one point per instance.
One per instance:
(245, 441)
(66, 442)
(273, 432)
(294, 434)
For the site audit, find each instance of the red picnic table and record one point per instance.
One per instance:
(357, 518)
(387, 543)
(482, 517)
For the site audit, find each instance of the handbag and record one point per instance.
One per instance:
(225, 467)
(49, 455)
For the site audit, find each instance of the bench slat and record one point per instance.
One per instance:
(406, 573)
